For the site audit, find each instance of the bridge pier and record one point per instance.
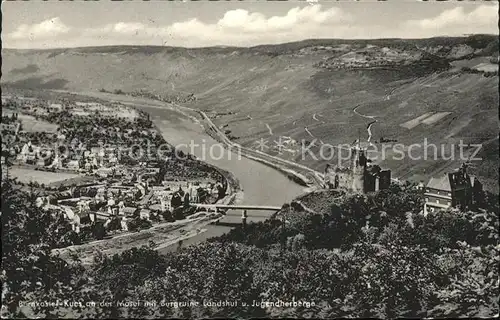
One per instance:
(244, 216)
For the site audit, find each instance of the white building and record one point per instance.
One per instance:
(55, 107)
(73, 165)
(437, 194)
(56, 163)
(28, 152)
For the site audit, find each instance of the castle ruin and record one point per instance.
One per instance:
(360, 177)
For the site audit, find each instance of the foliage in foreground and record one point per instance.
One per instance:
(362, 257)
(387, 217)
(29, 271)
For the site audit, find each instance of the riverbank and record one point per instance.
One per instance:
(260, 183)
(288, 168)
(162, 235)
(234, 192)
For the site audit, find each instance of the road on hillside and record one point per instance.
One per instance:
(368, 128)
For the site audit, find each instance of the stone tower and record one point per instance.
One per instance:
(358, 167)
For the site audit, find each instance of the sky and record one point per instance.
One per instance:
(54, 24)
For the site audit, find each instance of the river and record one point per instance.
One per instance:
(261, 184)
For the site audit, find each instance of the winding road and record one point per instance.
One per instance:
(368, 128)
(388, 97)
(269, 129)
(315, 117)
(309, 132)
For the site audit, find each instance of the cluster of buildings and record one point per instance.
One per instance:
(135, 197)
(91, 160)
(23, 145)
(121, 191)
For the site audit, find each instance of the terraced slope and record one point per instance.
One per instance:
(444, 90)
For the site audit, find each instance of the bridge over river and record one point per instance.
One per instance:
(237, 214)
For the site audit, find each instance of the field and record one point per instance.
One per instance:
(415, 122)
(479, 63)
(487, 67)
(29, 175)
(291, 90)
(30, 124)
(435, 117)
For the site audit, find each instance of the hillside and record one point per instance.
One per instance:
(444, 90)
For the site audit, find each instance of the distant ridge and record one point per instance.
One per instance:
(306, 42)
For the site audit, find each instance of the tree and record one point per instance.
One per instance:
(29, 270)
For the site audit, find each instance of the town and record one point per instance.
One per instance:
(79, 158)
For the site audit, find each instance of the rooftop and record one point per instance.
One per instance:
(442, 183)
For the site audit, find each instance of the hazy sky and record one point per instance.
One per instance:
(191, 24)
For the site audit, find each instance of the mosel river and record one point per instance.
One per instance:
(261, 184)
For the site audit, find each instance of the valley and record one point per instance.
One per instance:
(443, 90)
(257, 159)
